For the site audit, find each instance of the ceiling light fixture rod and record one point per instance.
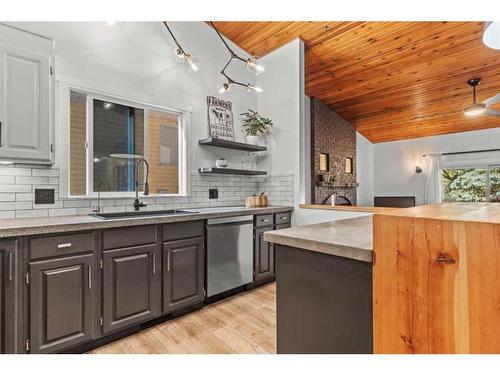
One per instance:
(250, 63)
(173, 37)
(233, 54)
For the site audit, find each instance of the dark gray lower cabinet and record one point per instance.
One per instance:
(2, 320)
(61, 303)
(263, 255)
(183, 273)
(131, 289)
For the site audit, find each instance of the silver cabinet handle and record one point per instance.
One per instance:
(168, 261)
(283, 218)
(11, 266)
(265, 220)
(63, 245)
(90, 277)
(154, 263)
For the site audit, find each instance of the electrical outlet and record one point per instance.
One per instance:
(44, 196)
(213, 194)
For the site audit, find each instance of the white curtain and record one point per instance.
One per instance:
(432, 179)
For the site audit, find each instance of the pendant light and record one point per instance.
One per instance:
(181, 55)
(253, 65)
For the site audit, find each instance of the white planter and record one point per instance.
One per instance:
(252, 139)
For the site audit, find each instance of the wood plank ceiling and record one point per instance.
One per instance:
(391, 80)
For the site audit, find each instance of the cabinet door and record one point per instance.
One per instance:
(131, 286)
(1, 303)
(10, 298)
(61, 303)
(25, 105)
(263, 256)
(184, 273)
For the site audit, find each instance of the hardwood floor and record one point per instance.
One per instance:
(242, 324)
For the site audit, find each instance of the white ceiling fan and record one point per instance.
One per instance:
(476, 108)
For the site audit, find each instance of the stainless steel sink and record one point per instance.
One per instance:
(123, 215)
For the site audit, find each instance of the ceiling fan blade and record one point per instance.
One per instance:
(493, 100)
(492, 112)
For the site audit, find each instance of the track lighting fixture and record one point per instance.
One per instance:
(253, 65)
(181, 55)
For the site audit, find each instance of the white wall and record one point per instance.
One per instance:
(364, 170)
(136, 60)
(283, 102)
(394, 162)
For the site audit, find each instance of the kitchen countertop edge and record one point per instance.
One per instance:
(331, 246)
(60, 224)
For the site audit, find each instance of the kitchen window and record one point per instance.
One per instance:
(101, 127)
(471, 184)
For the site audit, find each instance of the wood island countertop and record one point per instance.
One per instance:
(486, 212)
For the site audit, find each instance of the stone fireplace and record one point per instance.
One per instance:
(333, 136)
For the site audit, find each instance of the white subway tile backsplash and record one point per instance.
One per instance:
(7, 214)
(31, 180)
(17, 184)
(15, 206)
(46, 172)
(10, 197)
(25, 196)
(31, 213)
(8, 188)
(14, 171)
(62, 211)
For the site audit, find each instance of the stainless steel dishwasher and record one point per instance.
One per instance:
(229, 253)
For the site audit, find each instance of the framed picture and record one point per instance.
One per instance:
(324, 162)
(348, 165)
(220, 118)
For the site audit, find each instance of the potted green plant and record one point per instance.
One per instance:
(255, 125)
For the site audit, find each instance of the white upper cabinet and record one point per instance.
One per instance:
(26, 97)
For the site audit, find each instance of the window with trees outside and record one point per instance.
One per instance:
(103, 127)
(479, 184)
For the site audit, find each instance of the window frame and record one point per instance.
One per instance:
(146, 107)
(486, 167)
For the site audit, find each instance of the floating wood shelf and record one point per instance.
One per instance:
(336, 185)
(242, 172)
(231, 144)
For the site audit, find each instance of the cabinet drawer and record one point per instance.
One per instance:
(44, 247)
(185, 229)
(264, 220)
(128, 236)
(282, 226)
(282, 218)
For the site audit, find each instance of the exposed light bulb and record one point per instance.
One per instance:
(254, 88)
(491, 34)
(193, 62)
(475, 109)
(108, 105)
(223, 87)
(255, 65)
(179, 54)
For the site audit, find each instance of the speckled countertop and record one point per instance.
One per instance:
(32, 226)
(349, 238)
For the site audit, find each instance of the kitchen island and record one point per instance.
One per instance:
(430, 285)
(324, 287)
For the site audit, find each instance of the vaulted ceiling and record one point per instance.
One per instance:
(391, 80)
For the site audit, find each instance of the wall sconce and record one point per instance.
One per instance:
(418, 169)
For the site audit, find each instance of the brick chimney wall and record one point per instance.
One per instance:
(332, 135)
